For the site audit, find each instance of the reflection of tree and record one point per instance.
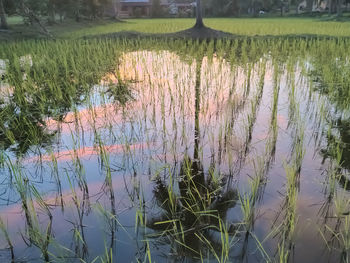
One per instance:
(21, 126)
(119, 91)
(22, 117)
(336, 87)
(35, 98)
(340, 144)
(193, 214)
(343, 130)
(191, 217)
(199, 15)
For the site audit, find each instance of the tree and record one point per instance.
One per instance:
(51, 11)
(282, 7)
(62, 8)
(31, 10)
(156, 8)
(116, 9)
(330, 4)
(339, 8)
(236, 7)
(309, 5)
(3, 20)
(252, 7)
(199, 15)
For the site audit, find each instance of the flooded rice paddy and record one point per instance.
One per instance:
(175, 151)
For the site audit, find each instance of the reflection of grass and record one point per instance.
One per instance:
(30, 198)
(339, 239)
(3, 229)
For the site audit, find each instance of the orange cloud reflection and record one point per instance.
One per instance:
(85, 152)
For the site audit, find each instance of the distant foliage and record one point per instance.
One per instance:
(78, 9)
(157, 9)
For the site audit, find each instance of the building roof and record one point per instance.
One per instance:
(179, 3)
(136, 1)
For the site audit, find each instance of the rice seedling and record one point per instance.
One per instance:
(55, 173)
(158, 136)
(339, 239)
(290, 205)
(247, 207)
(81, 248)
(8, 240)
(41, 240)
(108, 257)
(341, 205)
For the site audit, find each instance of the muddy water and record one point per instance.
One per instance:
(106, 175)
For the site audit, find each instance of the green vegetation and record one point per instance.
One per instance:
(216, 151)
(241, 27)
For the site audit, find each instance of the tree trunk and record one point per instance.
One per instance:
(199, 17)
(235, 7)
(33, 18)
(197, 109)
(116, 11)
(282, 8)
(52, 14)
(309, 5)
(3, 20)
(253, 8)
(339, 8)
(77, 7)
(61, 16)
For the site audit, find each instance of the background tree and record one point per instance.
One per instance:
(252, 8)
(51, 11)
(309, 5)
(156, 8)
(31, 11)
(236, 10)
(199, 15)
(330, 4)
(116, 7)
(339, 8)
(3, 20)
(63, 8)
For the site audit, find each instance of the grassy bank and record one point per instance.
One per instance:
(236, 26)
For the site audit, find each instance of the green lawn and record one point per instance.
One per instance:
(14, 20)
(239, 26)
